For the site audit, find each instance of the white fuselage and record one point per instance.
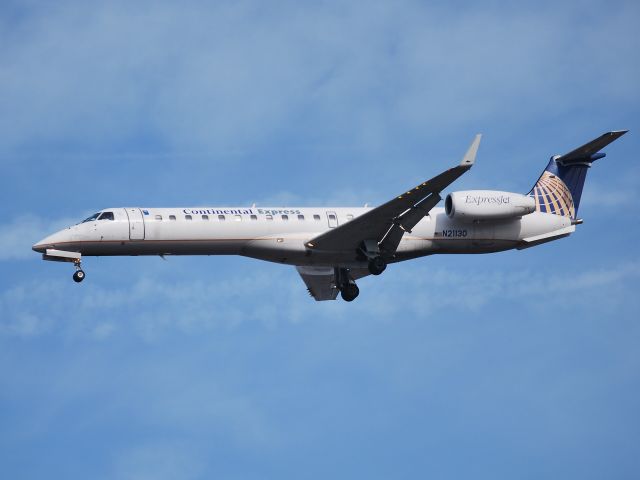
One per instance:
(279, 234)
(333, 247)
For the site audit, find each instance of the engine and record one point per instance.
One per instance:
(487, 205)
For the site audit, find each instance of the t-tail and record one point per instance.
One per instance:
(559, 188)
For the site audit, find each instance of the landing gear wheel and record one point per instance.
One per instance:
(78, 276)
(377, 265)
(349, 292)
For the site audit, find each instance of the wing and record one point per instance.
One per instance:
(387, 223)
(321, 281)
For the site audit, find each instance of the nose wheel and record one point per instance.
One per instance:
(78, 276)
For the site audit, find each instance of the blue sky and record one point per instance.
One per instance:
(512, 365)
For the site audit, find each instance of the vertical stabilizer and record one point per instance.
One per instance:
(559, 188)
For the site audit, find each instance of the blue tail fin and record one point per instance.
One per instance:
(559, 188)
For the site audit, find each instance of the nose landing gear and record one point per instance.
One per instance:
(54, 255)
(78, 276)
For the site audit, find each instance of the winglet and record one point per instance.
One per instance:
(470, 156)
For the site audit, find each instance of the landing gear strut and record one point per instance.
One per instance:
(78, 276)
(370, 250)
(347, 286)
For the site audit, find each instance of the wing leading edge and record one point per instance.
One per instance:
(387, 223)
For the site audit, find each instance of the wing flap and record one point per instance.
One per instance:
(320, 282)
(406, 221)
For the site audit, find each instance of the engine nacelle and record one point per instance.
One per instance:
(487, 205)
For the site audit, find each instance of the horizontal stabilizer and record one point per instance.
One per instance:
(546, 237)
(586, 153)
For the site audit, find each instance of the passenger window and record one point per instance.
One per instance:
(222, 218)
(106, 216)
(269, 217)
(316, 217)
(285, 218)
(172, 217)
(187, 217)
(158, 217)
(254, 217)
(300, 217)
(237, 218)
(205, 217)
(349, 217)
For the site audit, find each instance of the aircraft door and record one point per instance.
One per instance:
(332, 218)
(136, 224)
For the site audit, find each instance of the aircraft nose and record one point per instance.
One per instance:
(43, 244)
(49, 242)
(39, 247)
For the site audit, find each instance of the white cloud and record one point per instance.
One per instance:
(618, 192)
(19, 315)
(425, 292)
(608, 197)
(154, 306)
(18, 235)
(226, 75)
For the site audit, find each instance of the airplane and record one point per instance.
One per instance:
(332, 248)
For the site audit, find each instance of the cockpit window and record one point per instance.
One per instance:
(91, 218)
(106, 216)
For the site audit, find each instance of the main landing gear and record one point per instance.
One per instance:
(78, 276)
(349, 292)
(347, 286)
(370, 250)
(377, 265)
